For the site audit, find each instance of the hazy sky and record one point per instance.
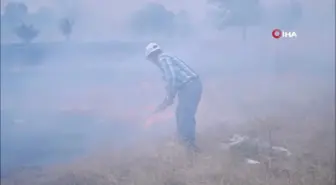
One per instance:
(103, 19)
(108, 17)
(118, 8)
(196, 8)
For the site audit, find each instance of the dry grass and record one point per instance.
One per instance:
(303, 122)
(304, 125)
(165, 162)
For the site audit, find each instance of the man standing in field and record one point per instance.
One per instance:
(181, 81)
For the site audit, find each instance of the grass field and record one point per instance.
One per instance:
(303, 124)
(283, 95)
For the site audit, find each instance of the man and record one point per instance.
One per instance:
(183, 82)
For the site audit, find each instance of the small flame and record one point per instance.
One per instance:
(158, 118)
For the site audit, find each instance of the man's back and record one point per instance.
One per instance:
(175, 68)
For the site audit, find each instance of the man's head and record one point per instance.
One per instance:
(153, 51)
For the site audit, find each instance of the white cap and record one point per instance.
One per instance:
(151, 47)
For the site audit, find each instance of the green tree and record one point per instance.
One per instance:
(294, 14)
(241, 13)
(153, 19)
(26, 32)
(15, 12)
(283, 15)
(66, 26)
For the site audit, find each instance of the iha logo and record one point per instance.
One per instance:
(277, 34)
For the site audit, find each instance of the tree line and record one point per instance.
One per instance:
(154, 19)
(15, 20)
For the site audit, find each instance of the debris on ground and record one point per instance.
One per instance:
(251, 161)
(252, 148)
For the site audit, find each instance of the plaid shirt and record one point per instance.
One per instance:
(175, 72)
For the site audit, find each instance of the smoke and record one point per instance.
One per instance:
(92, 93)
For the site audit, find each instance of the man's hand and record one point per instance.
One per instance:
(168, 101)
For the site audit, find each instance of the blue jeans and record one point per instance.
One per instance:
(189, 97)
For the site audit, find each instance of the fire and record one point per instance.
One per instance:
(157, 118)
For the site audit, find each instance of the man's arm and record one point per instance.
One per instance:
(170, 76)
